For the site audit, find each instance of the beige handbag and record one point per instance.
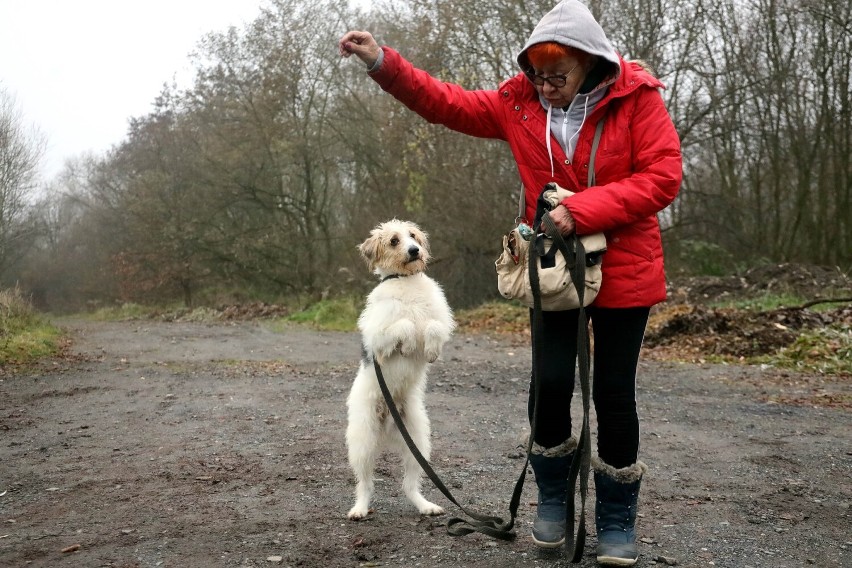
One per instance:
(557, 290)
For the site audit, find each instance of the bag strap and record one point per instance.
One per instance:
(595, 143)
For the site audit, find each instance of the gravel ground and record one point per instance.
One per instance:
(189, 444)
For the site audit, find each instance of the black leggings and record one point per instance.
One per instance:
(618, 334)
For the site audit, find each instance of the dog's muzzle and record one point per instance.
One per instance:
(413, 253)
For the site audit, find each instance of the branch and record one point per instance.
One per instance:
(822, 301)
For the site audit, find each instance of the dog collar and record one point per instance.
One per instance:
(391, 276)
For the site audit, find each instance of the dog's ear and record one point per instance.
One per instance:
(369, 249)
(421, 237)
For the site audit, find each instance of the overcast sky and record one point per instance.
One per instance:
(79, 69)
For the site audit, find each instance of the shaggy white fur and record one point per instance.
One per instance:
(404, 326)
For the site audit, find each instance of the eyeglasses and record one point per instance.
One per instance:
(557, 81)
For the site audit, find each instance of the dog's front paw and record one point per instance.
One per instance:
(358, 513)
(383, 355)
(407, 347)
(434, 347)
(434, 338)
(431, 509)
(432, 353)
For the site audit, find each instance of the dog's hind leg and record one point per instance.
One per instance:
(362, 440)
(417, 424)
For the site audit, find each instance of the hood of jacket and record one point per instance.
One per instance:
(571, 23)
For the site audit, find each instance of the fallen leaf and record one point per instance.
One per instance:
(72, 548)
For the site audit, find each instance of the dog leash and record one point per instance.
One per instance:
(456, 526)
(495, 526)
(581, 464)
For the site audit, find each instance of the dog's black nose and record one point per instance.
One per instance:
(413, 251)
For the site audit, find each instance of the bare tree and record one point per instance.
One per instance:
(271, 167)
(21, 150)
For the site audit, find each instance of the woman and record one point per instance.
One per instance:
(571, 78)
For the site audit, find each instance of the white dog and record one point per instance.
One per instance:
(404, 326)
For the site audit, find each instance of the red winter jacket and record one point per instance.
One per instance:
(638, 164)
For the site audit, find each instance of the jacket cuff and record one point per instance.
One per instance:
(378, 64)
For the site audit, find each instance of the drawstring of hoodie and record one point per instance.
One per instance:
(577, 134)
(547, 138)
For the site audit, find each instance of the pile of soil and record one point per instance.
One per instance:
(735, 333)
(690, 325)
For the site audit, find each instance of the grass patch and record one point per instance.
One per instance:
(24, 336)
(341, 314)
(338, 314)
(768, 302)
(826, 351)
(763, 303)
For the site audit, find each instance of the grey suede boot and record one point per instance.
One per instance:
(617, 493)
(551, 467)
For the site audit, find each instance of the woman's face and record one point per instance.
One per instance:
(567, 70)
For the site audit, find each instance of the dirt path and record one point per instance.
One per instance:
(222, 445)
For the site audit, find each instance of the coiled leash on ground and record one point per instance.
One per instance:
(486, 524)
(491, 525)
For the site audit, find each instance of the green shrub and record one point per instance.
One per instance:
(827, 350)
(339, 314)
(126, 311)
(24, 336)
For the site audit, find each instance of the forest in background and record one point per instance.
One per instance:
(259, 179)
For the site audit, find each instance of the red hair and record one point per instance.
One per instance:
(549, 52)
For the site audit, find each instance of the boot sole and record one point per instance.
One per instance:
(545, 544)
(616, 561)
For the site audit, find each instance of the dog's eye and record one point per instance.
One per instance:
(394, 241)
(412, 236)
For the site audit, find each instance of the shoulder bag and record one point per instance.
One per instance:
(554, 257)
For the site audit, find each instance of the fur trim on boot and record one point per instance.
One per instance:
(628, 474)
(564, 449)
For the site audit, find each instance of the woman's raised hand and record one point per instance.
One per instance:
(361, 44)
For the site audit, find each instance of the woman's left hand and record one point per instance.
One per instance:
(563, 220)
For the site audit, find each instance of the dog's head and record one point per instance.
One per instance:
(396, 247)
